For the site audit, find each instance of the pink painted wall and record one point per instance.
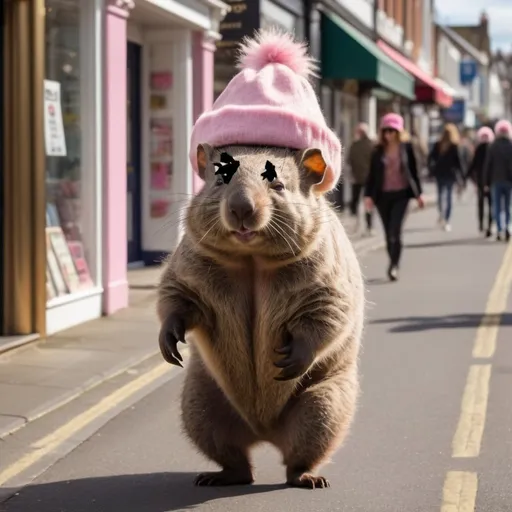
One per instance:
(115, 282)
(203, 77)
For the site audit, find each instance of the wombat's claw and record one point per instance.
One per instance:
(172, 331)
(222, 478)
(289, 373)
(309, 481)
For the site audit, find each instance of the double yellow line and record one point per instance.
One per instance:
(460, 487)
(45, 446)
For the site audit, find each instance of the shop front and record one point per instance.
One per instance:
(428, 93)
(166, 82)
(358, 76)
(52, 249)
(243, 20)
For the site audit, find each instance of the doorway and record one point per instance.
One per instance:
(133, 147)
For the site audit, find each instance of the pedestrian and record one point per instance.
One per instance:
(420, 151)
(467, 147)
(498, 176)
(359, 159)
(446, 166)
(485, 137)
(392, 182)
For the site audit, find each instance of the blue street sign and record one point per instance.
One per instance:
(468, 71)
(456, 113)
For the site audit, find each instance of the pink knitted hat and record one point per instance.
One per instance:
(503, 127)
(393, 121)
(485, 134)
(270, 102)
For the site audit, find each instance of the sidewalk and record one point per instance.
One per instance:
(44, 375)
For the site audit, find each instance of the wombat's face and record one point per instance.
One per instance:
(259, 200)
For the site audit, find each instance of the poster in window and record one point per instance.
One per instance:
(62, 253)
(158, 102)
(161, 175)
(54, 137)
(159, 208)
(51, 291)
(161, 81)
(77, 253)
(53, 268)
(161, 139)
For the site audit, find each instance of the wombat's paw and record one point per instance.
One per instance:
(172, 331)
(224, 477)
(309, 481)
(297, 359)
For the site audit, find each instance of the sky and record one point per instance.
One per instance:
(462, 12)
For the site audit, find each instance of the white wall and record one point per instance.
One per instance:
(361, 9)
(425, 60)
(496, 97)
(448, 62)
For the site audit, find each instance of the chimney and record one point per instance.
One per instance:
(484, 19)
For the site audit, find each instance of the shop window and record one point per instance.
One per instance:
(69, 170)
(272, 15)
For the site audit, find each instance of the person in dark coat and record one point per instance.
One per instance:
(498, 176)
(359, 157)
(393, 181)
(485, 137)
(446, 166)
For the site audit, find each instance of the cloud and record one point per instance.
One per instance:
(464, 12)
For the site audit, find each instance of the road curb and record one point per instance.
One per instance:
(67, 397)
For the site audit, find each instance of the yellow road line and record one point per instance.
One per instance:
(487, 333)
(470, 429)
(459, 492)
(47, 444)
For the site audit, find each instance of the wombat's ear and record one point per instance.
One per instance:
(319, 175)
(204, 155)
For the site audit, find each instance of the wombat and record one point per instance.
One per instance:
(267, 287)
(265, 284)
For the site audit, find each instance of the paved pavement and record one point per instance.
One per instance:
(435, 384)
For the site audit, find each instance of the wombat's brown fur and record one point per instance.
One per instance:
(274, 318)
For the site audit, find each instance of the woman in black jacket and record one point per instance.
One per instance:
(445, 164)
(392, 182)
(485, 137)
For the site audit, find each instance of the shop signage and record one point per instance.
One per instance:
(456, 113)
(468, 71)
(241, 21)
(54, 137)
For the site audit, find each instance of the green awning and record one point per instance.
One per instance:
(349, 55)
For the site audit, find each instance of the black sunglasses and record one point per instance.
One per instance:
(389, 130)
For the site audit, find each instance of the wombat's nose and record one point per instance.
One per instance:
(241, 207)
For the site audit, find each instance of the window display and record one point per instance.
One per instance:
(161, 134)
(67, 254)
(272, 15)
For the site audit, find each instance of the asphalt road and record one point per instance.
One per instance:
(415, 363)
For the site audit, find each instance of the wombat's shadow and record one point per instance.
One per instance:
(155, 492)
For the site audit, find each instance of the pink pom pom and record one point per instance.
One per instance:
(276, 47)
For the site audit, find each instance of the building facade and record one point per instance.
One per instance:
(244, 18)
(100, 99)
(466, 70)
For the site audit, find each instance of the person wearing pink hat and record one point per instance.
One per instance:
(485, 137)
(392, 182)
(498, 176)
